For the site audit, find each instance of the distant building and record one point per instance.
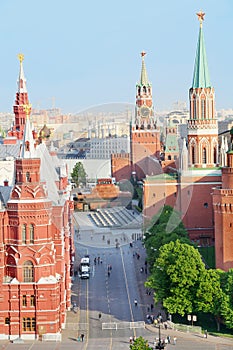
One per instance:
(102, 148)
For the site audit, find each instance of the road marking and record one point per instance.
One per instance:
(127, 288)
(87, 314)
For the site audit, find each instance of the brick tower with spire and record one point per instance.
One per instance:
(36, 242)
(189, 190)
(17, 129)
(145, 135)
(202, 124)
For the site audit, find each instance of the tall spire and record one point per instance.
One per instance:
(27, 148)
(144, 79)
(201, 77)
(22, 81)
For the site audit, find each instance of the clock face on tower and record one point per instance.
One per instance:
(145, 111)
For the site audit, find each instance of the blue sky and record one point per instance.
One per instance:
(84, 53)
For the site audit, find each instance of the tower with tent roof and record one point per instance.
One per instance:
(144, 133)
(202, 124)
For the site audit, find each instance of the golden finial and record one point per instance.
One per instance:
(143, 53)
(200, 16)
(27, 109)
(20, 57)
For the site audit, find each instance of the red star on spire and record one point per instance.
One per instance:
(200, 16)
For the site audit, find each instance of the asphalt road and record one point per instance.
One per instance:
(113, 296)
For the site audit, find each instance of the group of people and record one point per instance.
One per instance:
(155, 319)
(164, 341)
(98, 260)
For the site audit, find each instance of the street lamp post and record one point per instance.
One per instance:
(160, 344)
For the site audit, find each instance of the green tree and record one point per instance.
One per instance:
(164, 228)
(175, 277)
(78, 174)
(140, 344)
(211, 297)
(226, 310)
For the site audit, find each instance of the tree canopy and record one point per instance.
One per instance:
(175, 277)
(140, 344)
(179, 277)
(78, 174)
(162, 229)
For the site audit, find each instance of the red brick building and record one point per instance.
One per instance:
(36, 235)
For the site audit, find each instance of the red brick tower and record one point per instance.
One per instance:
(223, 216)
(145, 136)
(202, 125)
(36, 243)
(16, 131)
(31, 290)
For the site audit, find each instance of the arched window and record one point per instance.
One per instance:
(215, 155)
(27, 146)
(203, 112)
(204, 155)
(27, 176)
(194, 110)
(24, 234)
(193, 155)
(31, 233)
(28, 271)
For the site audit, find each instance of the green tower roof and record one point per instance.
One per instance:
(201, 77)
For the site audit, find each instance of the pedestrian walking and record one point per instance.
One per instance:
(174, 340)
(82, 337)
(135, 302)
(100, 315)
(151, 307)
